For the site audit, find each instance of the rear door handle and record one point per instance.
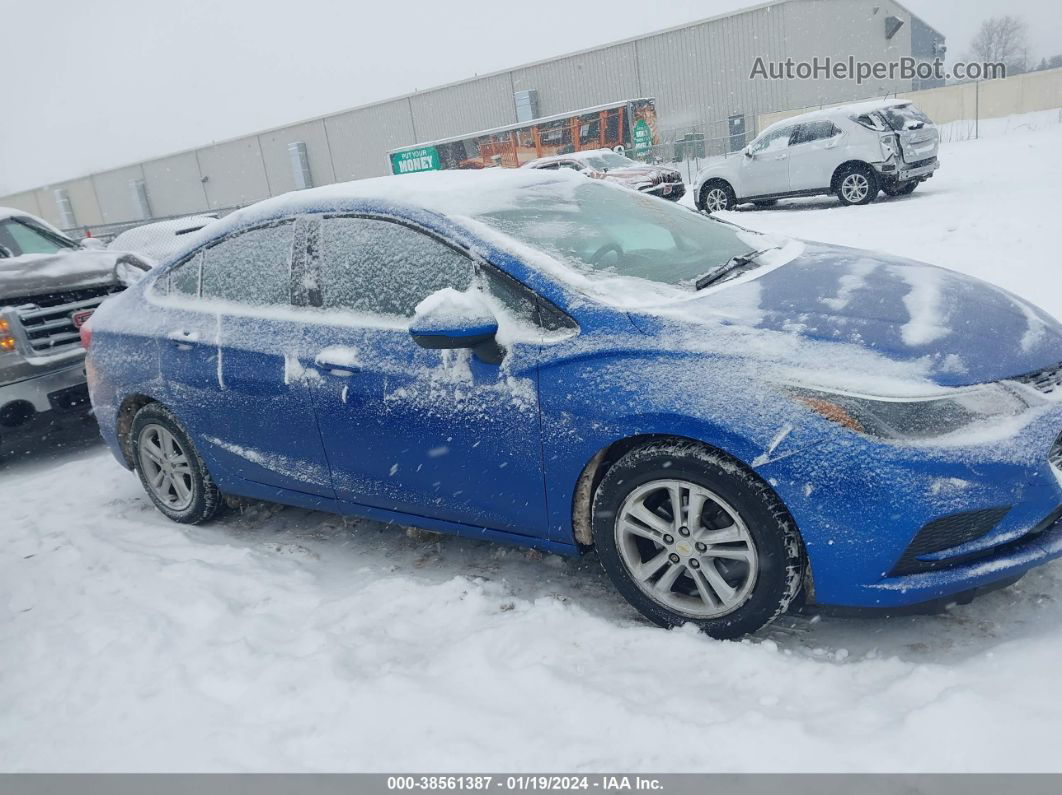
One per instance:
(338, 360)
(183, 338)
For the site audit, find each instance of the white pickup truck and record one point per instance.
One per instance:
(49, 287)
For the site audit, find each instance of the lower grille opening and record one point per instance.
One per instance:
(945, 533)
(1050, 521)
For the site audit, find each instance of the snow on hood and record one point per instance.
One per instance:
(33, 274)
(911, 319)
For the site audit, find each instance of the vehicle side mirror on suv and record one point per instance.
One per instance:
(748, 151)
(448, 320)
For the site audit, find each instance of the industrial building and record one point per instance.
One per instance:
(698, 74)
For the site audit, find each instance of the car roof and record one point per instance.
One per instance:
(838, 112)
(448, 193)
(583, 155)
(14, 212)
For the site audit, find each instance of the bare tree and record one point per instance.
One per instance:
(1002, 40)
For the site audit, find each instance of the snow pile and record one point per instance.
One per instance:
(298, 641)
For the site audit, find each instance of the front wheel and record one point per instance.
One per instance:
(857, 185)
(687, 536)
(717, 195)
(170, 469)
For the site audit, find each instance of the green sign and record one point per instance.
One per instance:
(426, 158)
(642, 137)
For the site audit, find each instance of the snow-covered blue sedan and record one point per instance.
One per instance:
(732, 420)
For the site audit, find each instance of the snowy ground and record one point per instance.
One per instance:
(288, 640)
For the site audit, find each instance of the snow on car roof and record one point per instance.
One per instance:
(11, 212)
(452, 193)
(14, 212)
(853, 109)
(584, 155)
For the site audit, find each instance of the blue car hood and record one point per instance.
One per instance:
(961, 329)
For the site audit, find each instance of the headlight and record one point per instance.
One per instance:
(915, 418)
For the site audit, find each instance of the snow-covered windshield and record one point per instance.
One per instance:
(905, 117)
(600, 227)
(609, 160)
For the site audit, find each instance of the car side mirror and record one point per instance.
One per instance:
(92, 244)
(748, 152)
(449, 320)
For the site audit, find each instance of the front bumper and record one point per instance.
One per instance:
(673, 191)
(56, 389)
(859, 504)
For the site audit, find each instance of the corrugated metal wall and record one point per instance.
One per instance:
(698, 73)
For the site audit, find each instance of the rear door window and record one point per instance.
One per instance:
(253, 267)
(814, 131)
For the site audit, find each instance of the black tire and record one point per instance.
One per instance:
(779, 562)
(865, 188)
(205, 499)
(716, 195)
(901, 189)
(766, 203)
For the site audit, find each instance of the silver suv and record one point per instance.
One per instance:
(49, 286)
(850, 151)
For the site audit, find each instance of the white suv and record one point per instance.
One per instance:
(851, 151)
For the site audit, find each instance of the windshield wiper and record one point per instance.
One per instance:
(731, 265)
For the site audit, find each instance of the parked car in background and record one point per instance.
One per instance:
(159, 240)
(850, 151)
(731, 419)
(604, 163)
(49, 287)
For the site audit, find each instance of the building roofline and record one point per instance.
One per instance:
(409, 95)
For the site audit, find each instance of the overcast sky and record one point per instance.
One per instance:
(92, 85)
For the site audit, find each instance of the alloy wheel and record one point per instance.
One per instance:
(166, 467)
(686, 548)
(715, 199)
(855, 187)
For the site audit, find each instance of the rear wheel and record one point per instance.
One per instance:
(717, 195)
(170, 469)
(688, 537)
(856, 184)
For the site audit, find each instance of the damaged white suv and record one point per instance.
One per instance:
(850, 151)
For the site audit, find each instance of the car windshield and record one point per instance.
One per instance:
(19, 236)
(905, 117)
(608, 160)
(603, 228)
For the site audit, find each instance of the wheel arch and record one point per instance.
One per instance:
(699, 198)
(595, 469)
(847, 164)
(130, 405)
